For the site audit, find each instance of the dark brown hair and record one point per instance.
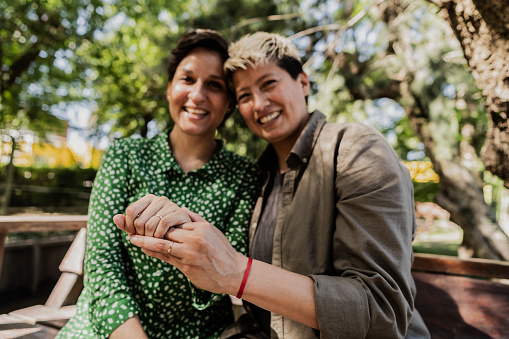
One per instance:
(200, 38)
(204, 38)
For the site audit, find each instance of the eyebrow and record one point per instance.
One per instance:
(260, 79)
(213, 76)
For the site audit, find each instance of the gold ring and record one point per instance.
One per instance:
(160, 218)
(171, 247)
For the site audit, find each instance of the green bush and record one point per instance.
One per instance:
(55, 187)
(426, 191)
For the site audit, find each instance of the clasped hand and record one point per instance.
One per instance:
(197, 248)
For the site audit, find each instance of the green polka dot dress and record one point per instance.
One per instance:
(120, 280)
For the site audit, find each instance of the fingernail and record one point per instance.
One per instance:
(134, 239)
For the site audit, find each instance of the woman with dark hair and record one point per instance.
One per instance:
(128, 294)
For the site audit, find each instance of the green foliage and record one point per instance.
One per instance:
(369, 58)
(38, 43)
(50, 187)
(111, 56)
(440, 248)
(426, 191)
(441, 81)
(128, 67)
(239, 138)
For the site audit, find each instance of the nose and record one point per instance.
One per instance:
(260, 101)
(197, 93)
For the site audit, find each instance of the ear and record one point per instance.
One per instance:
(302, 78)
(231, 106)
(229, 110)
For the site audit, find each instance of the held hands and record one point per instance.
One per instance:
(197, 248)
(151, 216)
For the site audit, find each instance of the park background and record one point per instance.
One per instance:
(75, 75)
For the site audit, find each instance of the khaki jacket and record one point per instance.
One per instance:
(347, 221)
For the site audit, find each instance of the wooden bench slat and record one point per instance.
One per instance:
(62, 289)
(9, 319)
(19, 332)
(482, 268)
(34, 314)
(42, 223)
(37, 331)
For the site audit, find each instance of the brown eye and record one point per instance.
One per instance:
(268, 83)
(242, 97)
(216, 85)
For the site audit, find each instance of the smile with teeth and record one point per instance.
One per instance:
(196, 111)
(269, 118)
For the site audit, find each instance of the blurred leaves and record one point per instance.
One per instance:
(111, 57)
(38, 41)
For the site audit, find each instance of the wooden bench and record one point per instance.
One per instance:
(43, 321)
(37, 223)
(457, 298)
(462, 298)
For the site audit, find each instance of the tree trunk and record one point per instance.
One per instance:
(461, 193)
(5, 198)
(461, 197)
(482, 28)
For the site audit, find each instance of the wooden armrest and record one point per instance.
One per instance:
(33, 314)
(73, 260)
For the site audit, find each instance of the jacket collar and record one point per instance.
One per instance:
(302, 149)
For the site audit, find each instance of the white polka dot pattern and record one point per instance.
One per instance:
(120, 280)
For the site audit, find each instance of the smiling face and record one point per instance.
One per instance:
(272, 103)
(197, 94)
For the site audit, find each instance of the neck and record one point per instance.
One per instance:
(282, 152)
(191, 152)
(284, 147)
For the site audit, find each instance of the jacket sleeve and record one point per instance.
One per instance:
(237, 225)
(371, 292)
(111, 301)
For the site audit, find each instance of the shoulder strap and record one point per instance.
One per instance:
(327, 141)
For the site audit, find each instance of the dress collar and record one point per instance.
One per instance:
(161, 150)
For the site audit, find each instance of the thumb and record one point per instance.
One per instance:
(192, 215)
(119, 220)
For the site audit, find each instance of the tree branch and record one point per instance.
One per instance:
(337, 27)
(22, 64)
(266, 18)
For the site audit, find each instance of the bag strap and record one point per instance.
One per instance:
(327, 141)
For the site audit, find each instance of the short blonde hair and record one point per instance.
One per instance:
(258, 49)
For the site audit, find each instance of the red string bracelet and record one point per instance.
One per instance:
(244, 280)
